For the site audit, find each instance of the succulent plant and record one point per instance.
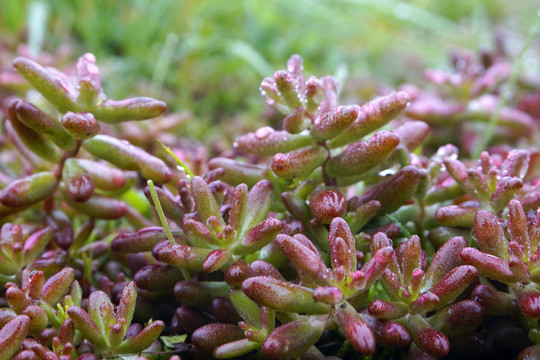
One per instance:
(341, 234)
(106, 328)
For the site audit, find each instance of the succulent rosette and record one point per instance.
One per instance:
(324, 296)
(508, 255)
(415, 290)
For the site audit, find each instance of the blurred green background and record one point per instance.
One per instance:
(210, 56)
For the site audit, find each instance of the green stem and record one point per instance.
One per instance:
(180, 162)
(159, 209)
(163, 220)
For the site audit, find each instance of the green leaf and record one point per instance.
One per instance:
(169, 341)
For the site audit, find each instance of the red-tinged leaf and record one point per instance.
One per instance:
(16, 298)
(158, 277)
(431, 341)
(128, 299)
(363, 214)
(12, 335)
(216, 260)
(269, 91)
(529, 303)
(454, 283)
(32, 117)
(79, 188)
(210, 336)
(295, 65)
(391, 284)
(341, 254)
(308, 264)
(263, 268)
(80, 125)
(412, 134)
(329, 295)
(490, 235)
(446, 259)
(207, 205)
(237, 273)
(115, 334)
(340, 229)
(530, 353)
(506, 191)
(382, 309)
(136, 108)
(128, 157)
(296, 121)
(518, 266)
(314, 94)
(456, 169)
(396, 191)
(379, 241)
(142, 240)
(411, 258)
(458, 319)
(143, 339)
(387, 333)
(198, 234)
(517, 226)
(534, 232)
(239, 206)
(373, 270)
(287, 85)
(298, 163)
(51, 86)
(258, 236)
(38, 319)
(84, 323)
(29, 190)
(359, 157)
(333, 124)
(88, 80)
(356, 330)
(37, 242)
(104, 176)
(493, 301)
(100, 309)
(183, 256)
(327, 204)
(37, 350)
(489, 265)
(57, 285)
(372, 116)
(266, 141)
(99, 207)
(258, 204)
(67, 331)
(235, 349)
(516, 163)
(34, 285)
(455, 215)
(283, 296)
(425, 302)
(293, 338)
(477, 184)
